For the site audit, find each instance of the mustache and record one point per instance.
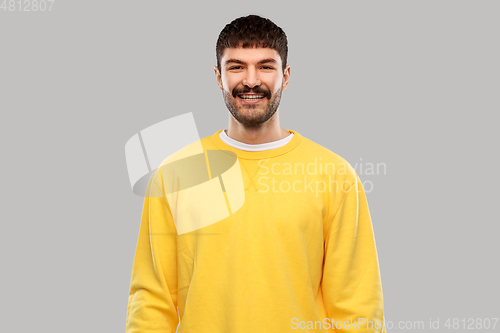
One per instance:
(256, 90)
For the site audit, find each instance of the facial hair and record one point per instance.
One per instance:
(248, 118)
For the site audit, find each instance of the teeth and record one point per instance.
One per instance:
(251, 97)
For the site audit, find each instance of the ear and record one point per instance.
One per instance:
(218, 77)
(286, 77)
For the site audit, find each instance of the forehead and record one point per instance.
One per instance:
(250, 55)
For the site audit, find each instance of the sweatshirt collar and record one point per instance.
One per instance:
(250, 155)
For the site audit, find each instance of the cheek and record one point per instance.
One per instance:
(275, 83)
(228, 84)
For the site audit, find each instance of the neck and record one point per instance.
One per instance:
(268, 132)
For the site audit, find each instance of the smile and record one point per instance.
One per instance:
(251, 97)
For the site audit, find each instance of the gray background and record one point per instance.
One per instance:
(412, 84)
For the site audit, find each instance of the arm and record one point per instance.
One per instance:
(152, 305)
(351, 282)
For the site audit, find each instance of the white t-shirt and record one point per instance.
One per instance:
(258, 147)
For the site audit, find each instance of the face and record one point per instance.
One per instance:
(251, 80)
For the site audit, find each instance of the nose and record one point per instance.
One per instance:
(251, 80)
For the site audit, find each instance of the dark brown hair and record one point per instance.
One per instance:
(252, 31)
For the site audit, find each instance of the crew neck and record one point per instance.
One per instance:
(245, 154)
(254, 147)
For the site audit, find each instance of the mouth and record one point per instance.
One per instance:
(251, 98)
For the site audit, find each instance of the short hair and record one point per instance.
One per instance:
(252, 31)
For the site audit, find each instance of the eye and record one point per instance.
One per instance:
(234, 67)
(267, 67)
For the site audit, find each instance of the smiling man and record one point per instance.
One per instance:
(298, 254)
(252, 80)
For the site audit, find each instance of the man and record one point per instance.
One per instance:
(298, 254)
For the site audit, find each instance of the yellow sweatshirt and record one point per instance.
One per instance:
(273, 241)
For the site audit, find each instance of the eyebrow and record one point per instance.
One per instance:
(236, 61)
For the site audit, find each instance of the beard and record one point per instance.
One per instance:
(252, 115)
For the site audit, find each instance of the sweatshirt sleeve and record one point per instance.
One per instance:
(152, 304)
(351, 285)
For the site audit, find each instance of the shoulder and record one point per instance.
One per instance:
(326, 162)
(317, 150)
